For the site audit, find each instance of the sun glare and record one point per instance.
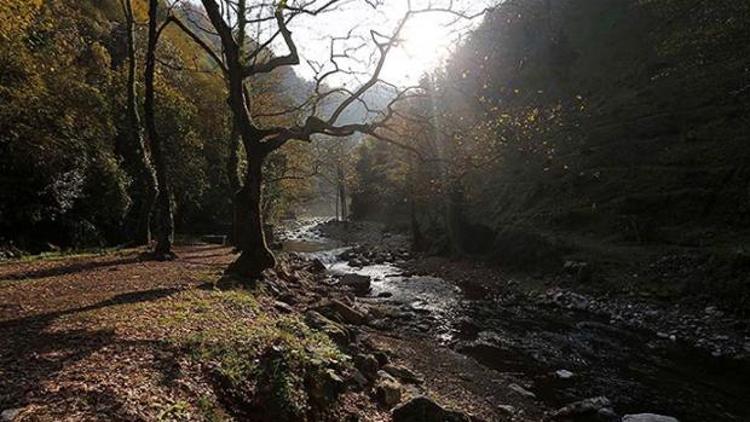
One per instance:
(425, 43)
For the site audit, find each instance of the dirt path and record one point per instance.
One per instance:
(67, 354)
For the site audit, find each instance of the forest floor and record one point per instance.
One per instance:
(118, 337)
(84, 337)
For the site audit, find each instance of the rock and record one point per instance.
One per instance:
(325, 388)
(367, 364)
(381, 324)
(564, 374)
(359, 283)
(403, 373)
(607, 414)
(510, 410)
(388, 392)
(10, 414)
(581, 270)
(381, 357)
(358, 379)
(422, 409)
(336, 308)
(648, 417)
(583, 407)
(339, 334)
(317, 266)
(283, 307)
(522, 391)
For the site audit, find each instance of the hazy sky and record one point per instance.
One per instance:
(427, 38)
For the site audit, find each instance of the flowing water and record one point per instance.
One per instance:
(569, 355)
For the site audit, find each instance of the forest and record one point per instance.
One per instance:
(375, 210)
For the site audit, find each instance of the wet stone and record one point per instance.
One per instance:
(648, 417)
(522, 391)
(423, 409)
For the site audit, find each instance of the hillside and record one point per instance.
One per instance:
(596, 131)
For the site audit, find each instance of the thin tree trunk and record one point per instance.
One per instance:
(337, 202)
(255, 256)
(341, 181)
(165, 225)
(146, 176)
(235, 181)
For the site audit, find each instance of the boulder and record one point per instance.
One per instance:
(360, 284)
(423, 409)
(648, 417)
(388, 392)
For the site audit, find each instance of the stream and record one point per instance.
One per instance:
(567, 355)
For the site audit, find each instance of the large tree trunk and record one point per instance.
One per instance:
(165, 232)
(251, 240)
(255, 256)
(145, 170)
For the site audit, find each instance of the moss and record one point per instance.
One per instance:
(263, 361)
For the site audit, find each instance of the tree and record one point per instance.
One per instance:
(145, 169)
(163, 249)
(229, 20)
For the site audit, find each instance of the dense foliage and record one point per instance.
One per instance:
(66, 172)
(582, 112)
(593, 123)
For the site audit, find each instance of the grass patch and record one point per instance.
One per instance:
(263, 362)
(262, 365)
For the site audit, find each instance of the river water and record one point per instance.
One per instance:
(568, 355)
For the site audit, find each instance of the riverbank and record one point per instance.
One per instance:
(570, 345)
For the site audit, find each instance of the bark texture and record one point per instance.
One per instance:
(251, 240)
(165, 225)
(146, 175)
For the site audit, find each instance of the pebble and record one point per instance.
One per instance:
(522, 391)
(648, 417)
(506, 408)
(564, 374)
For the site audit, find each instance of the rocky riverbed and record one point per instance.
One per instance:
(547, 351)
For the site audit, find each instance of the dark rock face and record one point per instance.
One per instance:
(422, 409)
(360, 284)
